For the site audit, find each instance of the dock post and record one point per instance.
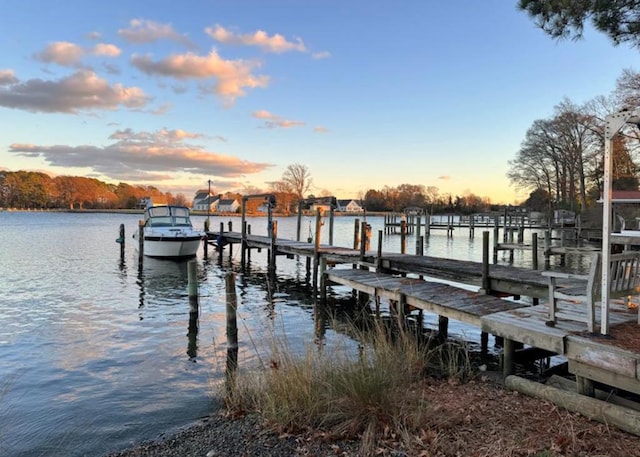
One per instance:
(220, 238)
(273, 234)
(120, 240)
(230, 224)
(140, 243)
(248, 248)
(443, 328)
(308, 262)
(298, 227)
(331, 226)
(232, 330)
(508, 355)
(418, 232)
(486, 282)
(534, 259)
(323, 280)
(205, 240)
(316, 250)
(484, 343)
(243, 236)
(472, 225)
(379, 257)
(403, 237)
(506, 215)
(495, 240)
(547, 250)
(192, 290)
(585, 386)
(356, 236)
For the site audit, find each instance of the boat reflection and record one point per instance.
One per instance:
(163, 287)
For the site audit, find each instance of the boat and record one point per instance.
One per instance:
(168, 233)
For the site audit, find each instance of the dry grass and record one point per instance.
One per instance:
(367, 394)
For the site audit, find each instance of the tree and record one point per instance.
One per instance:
(619, 19)
(298, 178)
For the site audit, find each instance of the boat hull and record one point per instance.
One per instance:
(164, 247)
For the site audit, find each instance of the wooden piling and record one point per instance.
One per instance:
(534, 259)
(403, 237)
(508, 356)
(120, 240)
(273, 249)
(316, 249)
(486, 284)
(418, 234)
(232, 330)
(140, 242)
(194, 308)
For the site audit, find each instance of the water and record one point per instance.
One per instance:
(96, 355)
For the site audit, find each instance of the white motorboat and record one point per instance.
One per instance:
(169, 233)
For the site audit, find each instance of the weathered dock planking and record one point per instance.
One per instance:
(442, 299)
(502, 279)
(589, 359)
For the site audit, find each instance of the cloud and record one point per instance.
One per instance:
(7, 77)
(80, 91)
(142, 31)
(104, 49)
(275, 43)
(444, 177)
(233, 76)
(273, 121)
(139, 156)
(321, 55)
(69, 54)
(61, 52)
(320, 129)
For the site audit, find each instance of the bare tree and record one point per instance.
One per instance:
(298, 177)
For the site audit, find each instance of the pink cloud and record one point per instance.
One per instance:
(233, 76)
(274, 43)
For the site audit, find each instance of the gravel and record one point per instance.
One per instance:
(218, 436)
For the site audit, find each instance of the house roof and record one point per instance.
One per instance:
(230, 201)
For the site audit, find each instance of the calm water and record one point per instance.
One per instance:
(96, 355)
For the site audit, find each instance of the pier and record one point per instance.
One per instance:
(479, 294)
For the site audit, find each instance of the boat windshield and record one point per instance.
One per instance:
(168, 216)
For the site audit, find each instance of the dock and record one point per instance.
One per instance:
(413, 282)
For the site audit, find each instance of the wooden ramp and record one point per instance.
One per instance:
(442, 299)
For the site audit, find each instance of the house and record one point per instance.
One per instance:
(201, 199)
(228, 206)
(205, 201)
(350, 206)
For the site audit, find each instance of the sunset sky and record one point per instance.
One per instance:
(364, 93)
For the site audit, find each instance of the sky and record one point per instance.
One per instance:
(228, 93)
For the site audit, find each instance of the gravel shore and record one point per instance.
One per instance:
(219, 436)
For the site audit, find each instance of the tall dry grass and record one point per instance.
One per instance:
(368, 394)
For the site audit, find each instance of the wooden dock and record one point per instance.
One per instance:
(589, 359)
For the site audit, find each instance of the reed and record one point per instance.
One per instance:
(367, 392)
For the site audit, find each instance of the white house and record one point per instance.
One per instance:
(349, 206)
(204, 201)
(228, 206)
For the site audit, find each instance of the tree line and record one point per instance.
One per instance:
(37, 190)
